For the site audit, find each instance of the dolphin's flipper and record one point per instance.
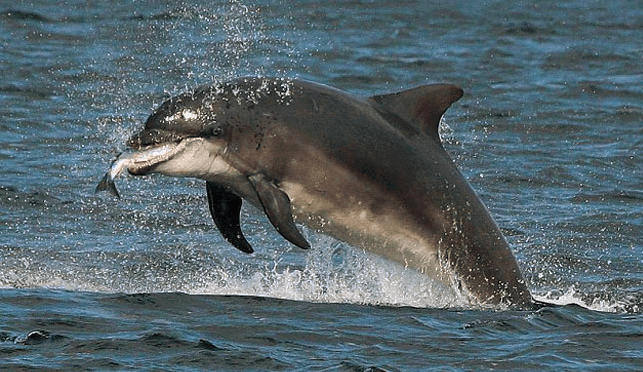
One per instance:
(276, 204)
(225, 208)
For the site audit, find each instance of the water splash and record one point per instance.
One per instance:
(336, 273)
(331, 272)
(574, 296)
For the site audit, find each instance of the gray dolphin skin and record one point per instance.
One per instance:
(368, 171)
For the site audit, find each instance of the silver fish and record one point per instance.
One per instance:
(135, 159)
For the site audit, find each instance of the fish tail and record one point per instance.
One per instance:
(107, 184)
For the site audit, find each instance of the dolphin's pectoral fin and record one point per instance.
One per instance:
(225, 208)
(276, 204)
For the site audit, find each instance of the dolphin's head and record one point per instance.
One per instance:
(188, 121)
(183, 116)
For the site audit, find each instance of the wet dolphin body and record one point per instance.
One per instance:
(369, 171)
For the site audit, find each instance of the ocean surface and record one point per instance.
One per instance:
(549, 133)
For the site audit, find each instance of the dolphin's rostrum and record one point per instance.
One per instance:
(371, 172)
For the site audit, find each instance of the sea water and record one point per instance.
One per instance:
(548, 133)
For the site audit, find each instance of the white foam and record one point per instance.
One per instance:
(335, 273)
(573, 296)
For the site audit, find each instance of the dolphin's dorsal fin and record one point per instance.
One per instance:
(422, 106)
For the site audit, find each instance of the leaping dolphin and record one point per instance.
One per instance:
(369, 171)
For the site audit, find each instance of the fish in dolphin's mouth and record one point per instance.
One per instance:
(140, 161)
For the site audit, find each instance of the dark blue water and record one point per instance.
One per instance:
(549, 133)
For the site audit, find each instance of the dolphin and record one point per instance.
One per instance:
(371, 172)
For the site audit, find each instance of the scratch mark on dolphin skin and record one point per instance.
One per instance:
(258, 139)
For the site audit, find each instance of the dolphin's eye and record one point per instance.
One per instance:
(216, 131)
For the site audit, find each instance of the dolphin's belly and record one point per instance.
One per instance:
(347, 214)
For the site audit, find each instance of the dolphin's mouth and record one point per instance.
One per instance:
(145, 159)
(150, 141)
